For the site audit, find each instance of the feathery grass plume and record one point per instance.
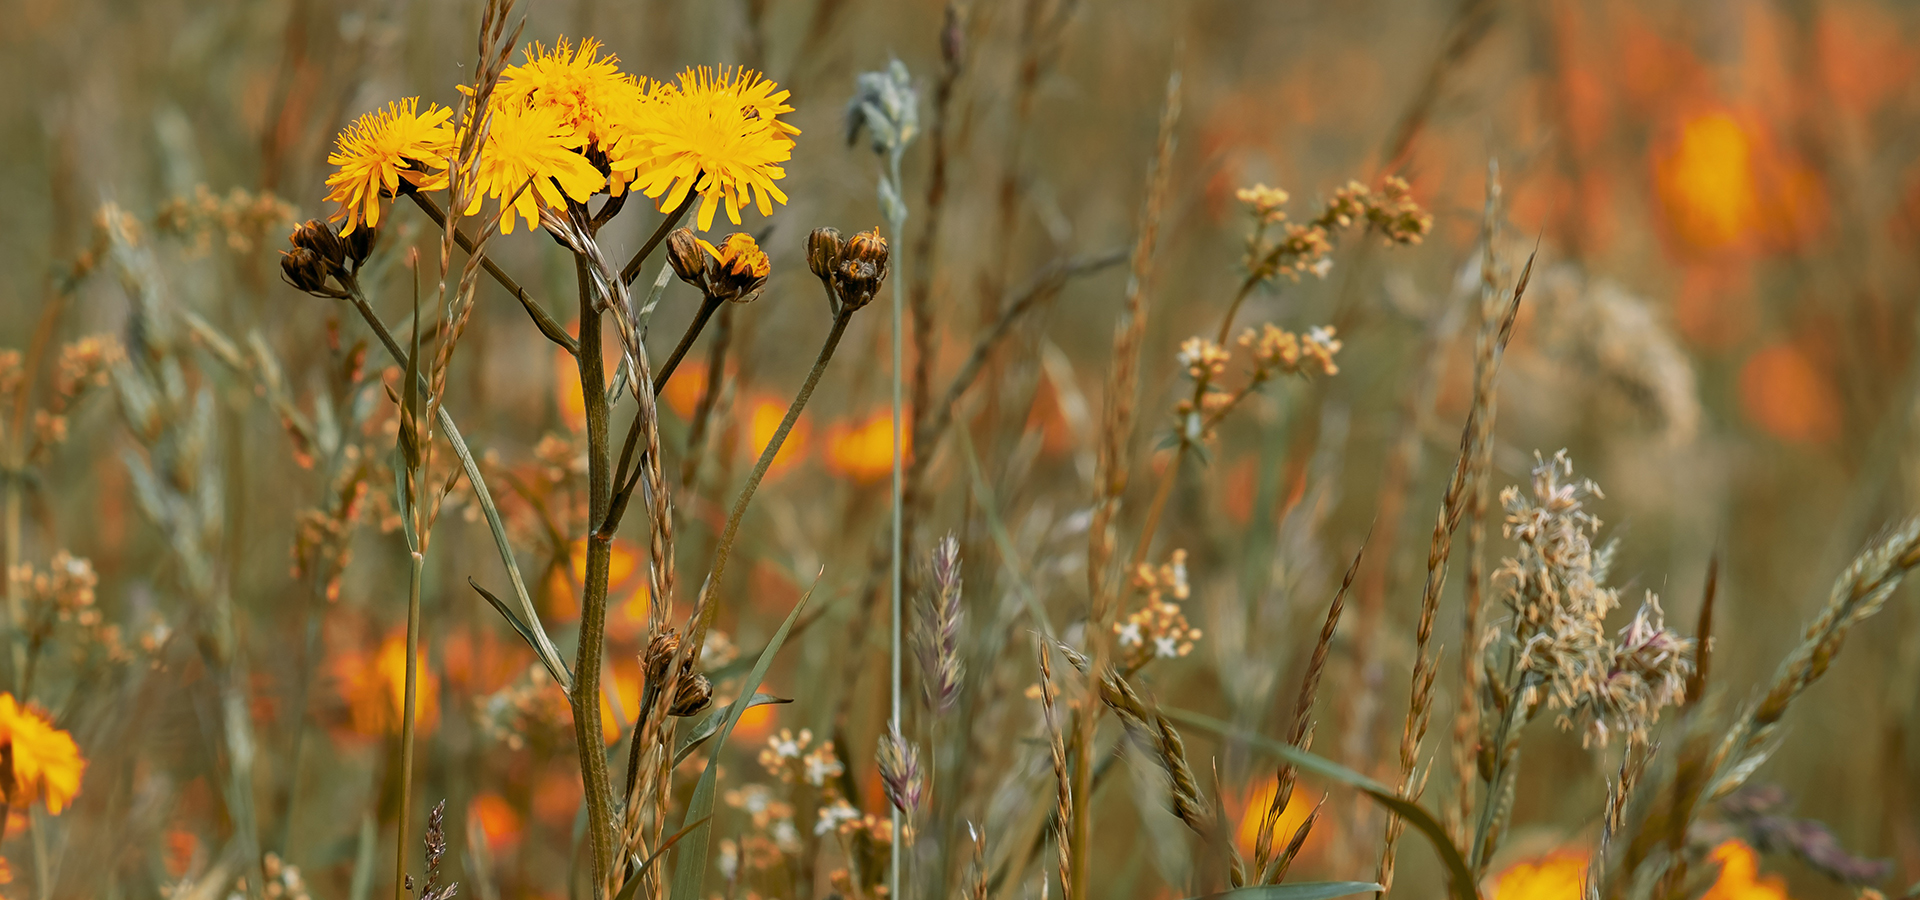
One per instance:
(1475, 435)
(1063, 808)
(1556, 653)
(1272, 868)
(937, 629)
(1860, 592)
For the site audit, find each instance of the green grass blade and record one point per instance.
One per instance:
(710, 725)
(690, 864)
(1459, 876)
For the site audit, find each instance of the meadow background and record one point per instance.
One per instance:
(1721, 332)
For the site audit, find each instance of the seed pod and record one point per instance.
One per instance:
(360, 244)
(318, 237)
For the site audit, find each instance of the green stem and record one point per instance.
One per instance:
(897, 222)
(632, 269)
(725, 548)
(593, 606)
(416, 569)
(541, 319)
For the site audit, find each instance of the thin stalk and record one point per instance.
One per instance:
(708, 306)
(896, 221)
(417, 567)
(632, 269)
(548, 327)
(725, 548)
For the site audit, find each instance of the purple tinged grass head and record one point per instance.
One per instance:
(936, 633)
(900, 771)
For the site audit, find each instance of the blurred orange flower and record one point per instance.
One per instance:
(43, 761)
(763, 420)
(1556, 876)
(1740, 877)
(682, 391)
(498, 820)
(1727, 186)
(863, 451)
(1299, 805)
(566, 388)
(375, 690)
(1788, 396)
(627, 592)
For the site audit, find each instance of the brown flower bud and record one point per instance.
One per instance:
(683, 253)
(823, 253)
(694, 695)
(863, 266)
(318, 237)
(737, 269)
(360, 244)
(305, 270)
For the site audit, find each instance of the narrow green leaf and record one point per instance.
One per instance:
(561, 676)
(543, 645)
(1304, 890)
(1459, 876)
(710, 725)
(690, 865)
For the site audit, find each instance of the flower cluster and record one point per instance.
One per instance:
(1555, 587)
(1277, 351)
(240, 219)
(567, 124)
(787, 758)
(62, 596)
(1158, 630)
(530, 704)
(1304, 247)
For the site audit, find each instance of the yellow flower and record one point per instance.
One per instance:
(529, 162)
(45, 763)
(717, 134)
(382, 147)
(739, 268)
(1556, 876)
(590, 92)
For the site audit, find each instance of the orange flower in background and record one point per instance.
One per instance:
(1727, 186)
(1299, 806)
(683, 390)
(1740, 877)
(1707, 182)
(1786, 393)
(376, 689)
(43, 761)
(1556, 876)
(622, 683)
(763, 420)
(499, 821)
(863, 452)
(566, 388)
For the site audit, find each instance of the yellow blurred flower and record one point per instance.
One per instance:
(715, 133)
(763, 420)
(529, 162)
(1556, 876)
(863, 452)
(383, 147)
(376, 689)
(588, 90)
(1301, 803)
(1740, 877)
(45, 763)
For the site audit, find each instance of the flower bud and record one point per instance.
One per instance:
(863, 266)
(823, 253)
(318, 237)
(305, 270)
(737, 269)
(360, 244)
(683, 253)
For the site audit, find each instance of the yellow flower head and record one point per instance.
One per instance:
(590, 92)
(528, 162)
(383, 147)
(715, 133)
(43, 761)
(738, 270)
